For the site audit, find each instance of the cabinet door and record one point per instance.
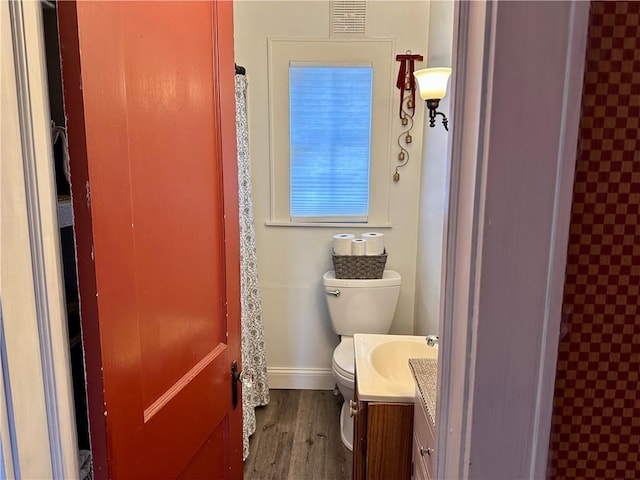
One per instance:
(360, 440)
(424, 456)
(389, 440)
(419, 467)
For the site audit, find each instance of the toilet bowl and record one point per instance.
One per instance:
(357, 306)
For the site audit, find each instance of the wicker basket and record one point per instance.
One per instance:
(359, 266)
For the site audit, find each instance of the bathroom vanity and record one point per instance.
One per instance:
(383, 408)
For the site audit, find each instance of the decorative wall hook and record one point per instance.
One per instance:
(406, 83)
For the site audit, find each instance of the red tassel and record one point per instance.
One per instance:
(407, 63)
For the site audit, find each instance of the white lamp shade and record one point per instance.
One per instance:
(432, 82)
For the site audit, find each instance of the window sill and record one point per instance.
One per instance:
(367, 226)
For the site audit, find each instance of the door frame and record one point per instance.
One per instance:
(473, 50)
(467, 415)
(37, 414)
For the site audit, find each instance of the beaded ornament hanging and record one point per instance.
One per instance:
(406, 83)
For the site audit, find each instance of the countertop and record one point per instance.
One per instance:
(425, 373)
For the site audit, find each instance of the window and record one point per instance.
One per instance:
(329, 142)
(330, 112)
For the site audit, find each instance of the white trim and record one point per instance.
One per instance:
(456, 326)
(43, 315)
(330, 225)
(301, 378)
(34, 323)
(8, 446)
(498, 368)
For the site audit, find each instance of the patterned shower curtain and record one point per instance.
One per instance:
(255, 391)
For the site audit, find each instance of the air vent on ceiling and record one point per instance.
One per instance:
(348, 16)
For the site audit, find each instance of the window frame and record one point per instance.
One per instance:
(284, 51)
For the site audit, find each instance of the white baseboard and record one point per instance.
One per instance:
(301, 378)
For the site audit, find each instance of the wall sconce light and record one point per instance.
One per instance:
(432, 83)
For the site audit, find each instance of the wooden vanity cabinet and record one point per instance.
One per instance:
(424, 434)
(382, 440)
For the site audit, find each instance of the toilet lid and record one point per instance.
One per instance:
(344, 357)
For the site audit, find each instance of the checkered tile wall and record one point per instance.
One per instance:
(596, 420)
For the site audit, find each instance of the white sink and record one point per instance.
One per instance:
(382, 365)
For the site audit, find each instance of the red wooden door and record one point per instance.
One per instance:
(151, 122)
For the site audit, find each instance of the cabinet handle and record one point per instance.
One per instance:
(428, 451)
(353, 408)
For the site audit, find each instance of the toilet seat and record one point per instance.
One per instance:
(343, 377)
(344, 359)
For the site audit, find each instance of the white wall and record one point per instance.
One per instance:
(291, 260)
(434, 183)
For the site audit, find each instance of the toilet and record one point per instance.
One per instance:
(357, 306)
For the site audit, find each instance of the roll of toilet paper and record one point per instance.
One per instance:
(358, 246)
(342, 243)
(375, 243)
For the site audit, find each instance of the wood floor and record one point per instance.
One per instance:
(298, 437)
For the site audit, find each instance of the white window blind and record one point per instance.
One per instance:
(330, 139)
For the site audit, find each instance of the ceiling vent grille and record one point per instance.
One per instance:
(348, 16)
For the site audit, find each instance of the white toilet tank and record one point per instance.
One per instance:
(362, 306)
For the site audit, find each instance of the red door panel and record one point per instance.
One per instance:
(210, 458)
(149, 96)
(175, 188)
